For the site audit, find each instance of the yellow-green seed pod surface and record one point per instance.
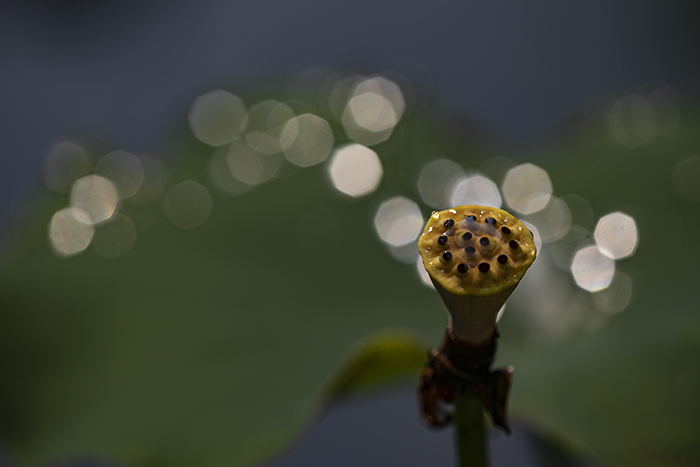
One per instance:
(475, 256)
(476, 250)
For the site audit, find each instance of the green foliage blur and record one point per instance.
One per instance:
(217, 344)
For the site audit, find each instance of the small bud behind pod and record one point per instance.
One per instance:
(499, 251)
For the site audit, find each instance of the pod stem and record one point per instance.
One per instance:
(470, 432)
(459, 373)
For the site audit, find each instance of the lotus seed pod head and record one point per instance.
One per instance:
(475, 256)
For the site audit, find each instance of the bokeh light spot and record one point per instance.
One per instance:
(398, 221)
(65, 163)
(553, 222)
(406, 253)
(266, 121)
(187, 204)
(617, 296)
(115, 237)
(373, 110)
(476, 189)
(262, 142)
(527, 188)
(622, 123)
(217, 117)
(686, 179)
(592, 270)
(437, 182)
(496, 168)
(220, 174)
(249, 166)
(643, 114)
(96, 197)
(154, 180)
(70, 232)
(664, 102)
(123, 169)
(636, 119)
(341, 93)
(581, 211)
(616, 235)
(355, 170)
(307, 140)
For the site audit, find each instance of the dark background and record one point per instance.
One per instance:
(129, 71)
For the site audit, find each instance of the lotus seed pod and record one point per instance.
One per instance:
(489, 251)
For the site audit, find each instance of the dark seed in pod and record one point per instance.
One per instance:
(505, 230)
(449, 223)
(447, 256)
(484, 267)
(490, 221)
(467, 236)
(470, 250)
(513, 244)
(471, 217)
(502, 259)
(442, 239)
(462, 267)
(484, 241)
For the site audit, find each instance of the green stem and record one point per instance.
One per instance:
(471, 437)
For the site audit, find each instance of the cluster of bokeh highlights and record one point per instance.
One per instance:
(252, 145)
(526, 190)
(249, 147)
